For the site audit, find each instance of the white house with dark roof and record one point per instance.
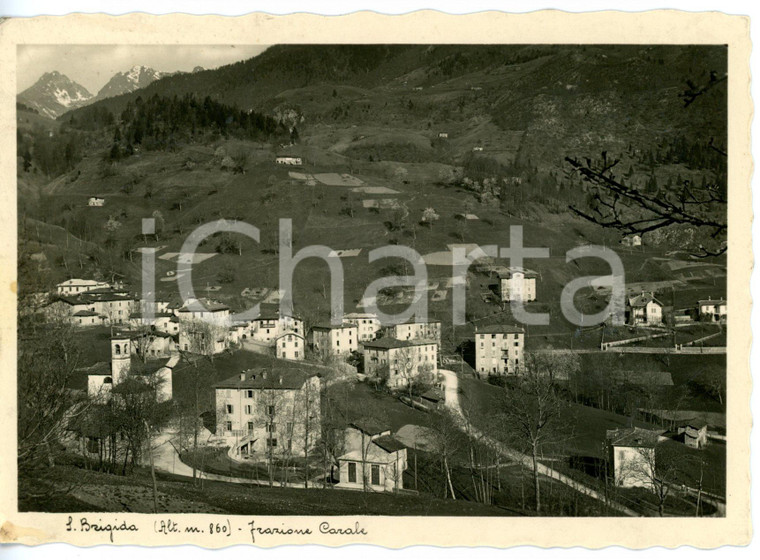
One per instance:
(97, 307)
(265, 409)
(713, 310)
(499, 349)
(290, 346)
(644, 310)
(403, 360)
(76, 286)
(270, 324)
(334, 339)
(517, 284)
(416, 330)
(204, 310)
(367, 324)
(373, 458)
(631, 456)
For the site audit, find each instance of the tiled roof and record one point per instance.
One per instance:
(632, 437)
(642, 300)
(388, 342)
(370, 426)
(265, 378)
(329, 326)
(494, 329)
(389, 444)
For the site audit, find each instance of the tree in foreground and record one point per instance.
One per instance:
(532, 410)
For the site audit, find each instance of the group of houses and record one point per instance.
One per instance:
(276, 412)
(644, 309)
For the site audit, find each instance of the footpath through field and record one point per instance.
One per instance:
(452, 402)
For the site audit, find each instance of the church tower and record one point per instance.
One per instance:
(120, 357)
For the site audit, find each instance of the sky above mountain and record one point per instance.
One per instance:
(93, 65)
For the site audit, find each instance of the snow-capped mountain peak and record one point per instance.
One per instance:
(54, 94)
(135, 78)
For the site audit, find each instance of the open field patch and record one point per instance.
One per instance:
(338, 180)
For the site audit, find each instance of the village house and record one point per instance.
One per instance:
(338, 340)
(96, 201)
(161, 322)
(208, 311)
(517, 284)
(443, 135)
(416, 330)
(153, 345)
(402, 360)
(99, 307)
(712, 310)
(692, 434)
(631, 456)
(367, 323)
(631, 241)
(76, 286)
(373, 458)
(288, 160)
(499, 349)
(269, 409)
(290, 346)
(207, 341)
(102, 378)
(644, 310)
(270, 324)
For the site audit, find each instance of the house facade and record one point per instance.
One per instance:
(517, 284)
(416, 330)
(367, 324)
(76, 286)
(405, 360)
(713, 310)
(644, 310)
(499, 349)
(269, 410)
(269, 325)
(290, 346)
(692, 435)
(336, 340)
(374, 460)
(101, 307)
(631, 456)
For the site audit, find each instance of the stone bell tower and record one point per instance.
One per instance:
(120, 357)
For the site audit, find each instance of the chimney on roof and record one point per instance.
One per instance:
(242, 376)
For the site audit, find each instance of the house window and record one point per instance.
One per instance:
(352, 472)
(229, 409)
(296, 353)
(271, 427)
(250, 427)
(289, 427)
(249, 394)
(248, 409)
(272, 442)
(270, 410)
(375, 475)
(228, 426)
